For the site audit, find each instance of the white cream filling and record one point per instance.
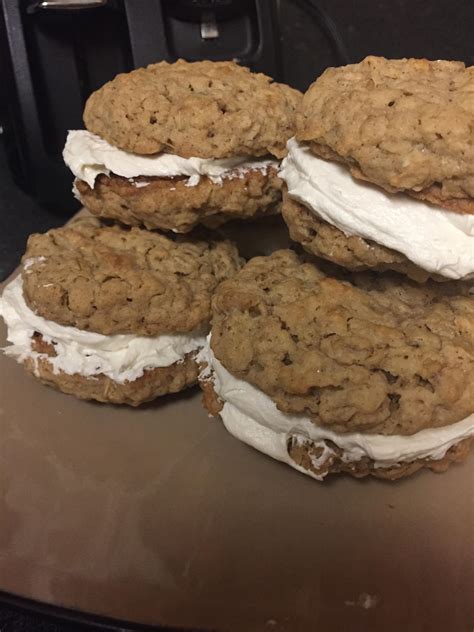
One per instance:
(435, 239)
(121, 357)
(252, 416)
(88, 155)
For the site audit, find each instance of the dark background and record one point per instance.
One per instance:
(435, 29)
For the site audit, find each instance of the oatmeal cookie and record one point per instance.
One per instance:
(350, 251)
(306, 455)
(405, 125)
(169, 204)
(204, 109)
(375, 354)
(323, 457)
(153, 383)
(111, 279)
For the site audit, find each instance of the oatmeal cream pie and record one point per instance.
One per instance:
(369, 376)
(174, 145)
(111, 313)
(381, 172)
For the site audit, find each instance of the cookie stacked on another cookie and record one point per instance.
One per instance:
(380, 174)
(114, 314)
(362, 372)
(368, 375)
(171, 146)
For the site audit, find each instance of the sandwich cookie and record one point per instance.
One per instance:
(174, 145)
(111, 313)
(380, 174)
(369, 376)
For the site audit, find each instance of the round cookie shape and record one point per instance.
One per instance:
(170, 204)
(324, 240)
(374, 354)
(203, 109)
(318, 458)
(152, 384)
(115, 280)
(404, 125)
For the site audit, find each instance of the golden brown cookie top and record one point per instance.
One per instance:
(205, 109)
(114, 280)
(378, 354)
(402, 124)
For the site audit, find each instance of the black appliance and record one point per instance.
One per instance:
(54, 53)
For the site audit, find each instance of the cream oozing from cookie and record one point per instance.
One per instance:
(253, 417)
(122, 358)
(88, 155)
(435, 239)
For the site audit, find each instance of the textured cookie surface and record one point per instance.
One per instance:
(377, 354)
(112, 280)
(152, 384)
(350, 251)
(402, 124)
(169, 204)
(309, 455)
(205, 109)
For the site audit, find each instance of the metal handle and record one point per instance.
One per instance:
(57, 5)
